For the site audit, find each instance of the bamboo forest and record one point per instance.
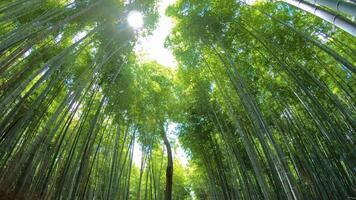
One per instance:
(177, 99)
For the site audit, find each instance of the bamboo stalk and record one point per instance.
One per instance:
(334, 19)
(337, 5)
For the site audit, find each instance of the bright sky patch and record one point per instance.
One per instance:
(135, 19)
(152, 47)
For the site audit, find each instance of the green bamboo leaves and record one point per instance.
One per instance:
(262, 98)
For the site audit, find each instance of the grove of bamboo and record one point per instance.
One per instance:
(263, 101)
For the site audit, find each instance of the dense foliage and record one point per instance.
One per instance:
(263, 97)
(269, 101)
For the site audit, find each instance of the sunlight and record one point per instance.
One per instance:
(135, 19)
(178, 152)
(137, 154)
(153, 46)
(250, 2)
(80, 35)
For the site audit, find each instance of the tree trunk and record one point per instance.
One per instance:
(337, 5)
(169, 169)
(143, 157)
(342, 23)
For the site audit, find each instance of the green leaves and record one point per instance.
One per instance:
(263, 99)
(263, 66)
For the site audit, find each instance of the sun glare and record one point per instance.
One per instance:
(152, 47)
(135, 19)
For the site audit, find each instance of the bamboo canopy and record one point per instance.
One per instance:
(260, 103)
